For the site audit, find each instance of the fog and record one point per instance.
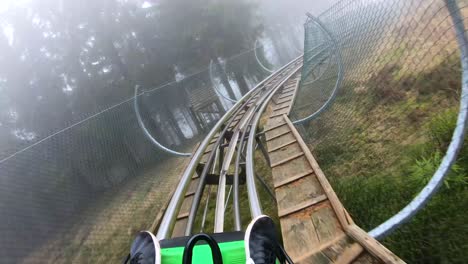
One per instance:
(68, 72)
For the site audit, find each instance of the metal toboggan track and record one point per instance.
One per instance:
(314, 224)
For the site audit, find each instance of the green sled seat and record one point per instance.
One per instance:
(230, 244)
(198, 249)
(259, 242)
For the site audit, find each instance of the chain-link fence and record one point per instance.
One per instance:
(380, 91)
(78, 180)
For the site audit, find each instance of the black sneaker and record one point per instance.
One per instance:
(261, 243)
(145, 250)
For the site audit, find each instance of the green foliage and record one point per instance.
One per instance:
(441, 128)
(384, 152)
(438, 233)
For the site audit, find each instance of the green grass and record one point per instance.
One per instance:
(379, 150)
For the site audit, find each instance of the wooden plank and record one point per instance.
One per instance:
(276, 119)
(295, 167)
(366, 258)
(299, 235)
(282, 146)
(282, 101)
(293, 178)
(307, 258)
(303, 205)
(279, 130)
(337, 206)
(280, 108)
(278, 135)
(348, 218)
(303, 232)
(325, 222)
(285, 95)
(293, 100)
(278, 114)
(274, 127)
(302, 190)
(186, 205)
(184, 215)
(311, 215)
(283, 104)
(372, 245)
(350, 254)
(287, 91)
(189, 193)
(319, 258)
(179, 227)
(284, 153)
(295, 156)
(288, 88)
(193, 186)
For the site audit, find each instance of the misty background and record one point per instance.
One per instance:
(69, 139)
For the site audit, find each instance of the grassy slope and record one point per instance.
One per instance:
(384, 147)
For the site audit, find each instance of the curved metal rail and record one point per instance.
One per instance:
(148, 134)
(216, 87)
(258, 60)
(255, 208)
(340, 71)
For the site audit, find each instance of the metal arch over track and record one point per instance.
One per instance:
(337, 52)
(148, 134)
(210, 69)
(258, 60)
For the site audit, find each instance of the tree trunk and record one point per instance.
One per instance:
(224, 79)
(200, 124)
(244, 88)
(278, 49)
(172, 120)
(152, 125)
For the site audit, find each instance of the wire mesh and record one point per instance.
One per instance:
(386, 131)
(78, 177)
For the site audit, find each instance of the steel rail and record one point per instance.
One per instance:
(340, 72)
(255, 207)
(202, 182)
(170, 215)
(221, 194)
(456, 143)
(143, 127)
(235, 196)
